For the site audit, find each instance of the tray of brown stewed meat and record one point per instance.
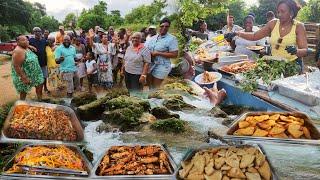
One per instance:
(35, 121)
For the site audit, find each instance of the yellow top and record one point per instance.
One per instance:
(287, 40)
(50, 58)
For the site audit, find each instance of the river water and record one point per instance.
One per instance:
(290, 161)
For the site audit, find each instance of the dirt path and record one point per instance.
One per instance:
(7, 90)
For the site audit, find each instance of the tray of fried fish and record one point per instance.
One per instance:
(151, 161)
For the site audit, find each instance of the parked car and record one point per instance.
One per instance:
(8, 47)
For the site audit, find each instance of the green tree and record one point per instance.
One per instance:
(237, 8)
(193, 10)
(114, 19)
(262, 8)
(147, 14)
(14, 12)
(90, 20)
(70, 18)
(49, 23)
(310, 12)
(40, 7)
(93, 17)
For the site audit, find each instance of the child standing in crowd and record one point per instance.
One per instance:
(92, 72)
(81, 67)
(80, 58)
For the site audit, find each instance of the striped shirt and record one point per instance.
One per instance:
(133, 60)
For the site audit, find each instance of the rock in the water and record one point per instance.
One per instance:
(83, 98)
(234, 109)
(161, 94)
(169, 125)
(94, 110)
(217, 112)
(177, 104)
(125, 101)
(163, 113)
(104, 127)
(227, 122)
(147, 118)
(180, 86)
(126, 118)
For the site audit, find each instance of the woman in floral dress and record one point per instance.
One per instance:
(26, 72)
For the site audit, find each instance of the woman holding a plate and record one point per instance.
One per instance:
(242, 46)
(288, 36)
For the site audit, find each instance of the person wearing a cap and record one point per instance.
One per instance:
(163, 47)
(230, 27)
(60, 35)
(152, 31)
(40, 44)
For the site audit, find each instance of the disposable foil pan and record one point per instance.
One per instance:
(88, 165)
(314, 132)
(73, 118)
(190, 153)
(161, 176)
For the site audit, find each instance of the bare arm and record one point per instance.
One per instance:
(301, 41)
(95, 67)
(172, 54)
(18, 59)
(263, 32)
(145, 68)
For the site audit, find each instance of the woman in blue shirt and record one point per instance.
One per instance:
(163, 47)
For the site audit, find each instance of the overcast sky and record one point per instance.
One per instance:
(59, 8)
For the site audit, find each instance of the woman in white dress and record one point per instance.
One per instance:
(104, 61)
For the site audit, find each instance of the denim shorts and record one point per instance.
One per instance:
(160, 68)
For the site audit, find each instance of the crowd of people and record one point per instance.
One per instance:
(102, 58)
(284, 34)
(140, 59)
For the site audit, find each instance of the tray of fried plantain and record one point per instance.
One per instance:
(290, 127)
(216, 162)
(12, 169)
(37, 122)
(151, 161)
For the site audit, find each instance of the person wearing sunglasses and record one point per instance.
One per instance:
(288, 37)
(163, 47)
